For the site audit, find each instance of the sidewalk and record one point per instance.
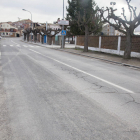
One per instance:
(51, 46)
(111, 58)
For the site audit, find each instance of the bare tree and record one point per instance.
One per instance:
(50, 33)
(27, 33)
(35, 31)
(42, 36)
(119, 23)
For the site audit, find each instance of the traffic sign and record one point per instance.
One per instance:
(63, 32)
(63, 22)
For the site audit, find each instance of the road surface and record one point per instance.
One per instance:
(47, 94)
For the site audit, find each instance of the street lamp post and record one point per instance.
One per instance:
(112, 3)
(31, 21)
(31, 17)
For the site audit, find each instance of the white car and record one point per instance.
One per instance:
(0, 37)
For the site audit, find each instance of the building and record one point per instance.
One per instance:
(22, 24)
(108, 30)
(7, 30)
(117, 33)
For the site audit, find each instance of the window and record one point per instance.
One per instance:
(11, 30)
(6, 33)
(3, 33)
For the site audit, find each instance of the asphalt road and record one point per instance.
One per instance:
(52, 95)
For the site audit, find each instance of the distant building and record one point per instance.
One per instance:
(22, 24)
(8, 30)
(108, 30)
(54, 26)
(117, 33)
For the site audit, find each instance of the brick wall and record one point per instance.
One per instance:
(109, 42)
(93, 41)
(123, 43)
(135, 43)
(80, 40)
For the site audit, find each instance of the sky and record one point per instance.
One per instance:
(49, 10)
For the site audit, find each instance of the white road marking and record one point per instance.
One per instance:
(103, 80)
(14, 42)
(4, 45)
(25, 46)
(11, 45)
(30, 46)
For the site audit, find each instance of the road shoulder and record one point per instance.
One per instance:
(4, 117)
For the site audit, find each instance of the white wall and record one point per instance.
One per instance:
(5, 26)
(5, 33)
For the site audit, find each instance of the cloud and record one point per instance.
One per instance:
(48, 10)
(119, 5)
(42, 11)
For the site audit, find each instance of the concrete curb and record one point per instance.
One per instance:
(37, 44)
(0, 54)
(1, 80)
(33, 43)
(106, 60)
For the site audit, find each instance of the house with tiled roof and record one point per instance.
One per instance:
(7, 30)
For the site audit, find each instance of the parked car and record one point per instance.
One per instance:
(0, 37)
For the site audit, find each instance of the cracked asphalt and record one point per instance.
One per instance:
(46, 94)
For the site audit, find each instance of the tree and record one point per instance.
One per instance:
(119, 23)
(27, 33)
(85, 14)
(51, 33)
(72, 17)
(35, 31)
